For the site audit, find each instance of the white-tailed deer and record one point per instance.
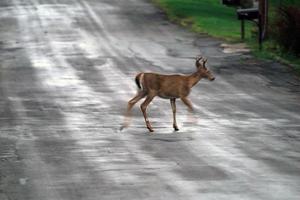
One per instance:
(167, 87)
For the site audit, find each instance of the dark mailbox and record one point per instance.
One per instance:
(231, 2)
(247, 14)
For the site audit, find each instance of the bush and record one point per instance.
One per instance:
(286, 28)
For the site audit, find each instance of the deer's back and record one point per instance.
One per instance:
(166, 86)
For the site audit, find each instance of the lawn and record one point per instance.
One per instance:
(208, 16)
(215, 19)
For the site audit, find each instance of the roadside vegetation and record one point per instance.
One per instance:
(215, 19)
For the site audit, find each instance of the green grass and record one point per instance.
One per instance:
(215, 19)
(206, 16)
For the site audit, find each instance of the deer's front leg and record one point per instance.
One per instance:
(187, 102)
(174, 114)
(144, 108)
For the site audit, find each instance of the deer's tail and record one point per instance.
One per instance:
(139, 79)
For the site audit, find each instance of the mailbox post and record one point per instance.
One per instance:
(247, 14)
(263, 10)
(251, 14)
(258, 15)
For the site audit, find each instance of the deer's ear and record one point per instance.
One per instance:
(204, 62)
(198, 59)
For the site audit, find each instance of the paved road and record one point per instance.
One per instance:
(66, 73)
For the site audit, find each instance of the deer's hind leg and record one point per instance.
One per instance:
(144, 106)
(174, 114)
(134, 100)
(130, 104)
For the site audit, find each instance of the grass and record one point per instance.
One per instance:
(215, 19)
(206, 16)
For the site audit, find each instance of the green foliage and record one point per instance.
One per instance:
(208, 16)
(286, 29)
(277, 3)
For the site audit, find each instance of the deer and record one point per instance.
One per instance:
(172, 87)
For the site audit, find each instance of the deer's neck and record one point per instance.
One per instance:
(194, 79)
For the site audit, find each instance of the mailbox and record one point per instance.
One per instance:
(231, 2)
(248, 10)
(247, 14)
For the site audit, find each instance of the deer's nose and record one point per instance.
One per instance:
(212, 79)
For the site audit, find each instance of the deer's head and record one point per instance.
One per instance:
(202, 69)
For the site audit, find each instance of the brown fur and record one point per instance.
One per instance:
(167, 87)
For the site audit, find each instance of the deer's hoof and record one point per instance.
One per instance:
(150, 129)
(175, 128)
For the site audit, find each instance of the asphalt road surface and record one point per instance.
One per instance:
(66, 73)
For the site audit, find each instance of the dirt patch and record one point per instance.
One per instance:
(235, 48)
